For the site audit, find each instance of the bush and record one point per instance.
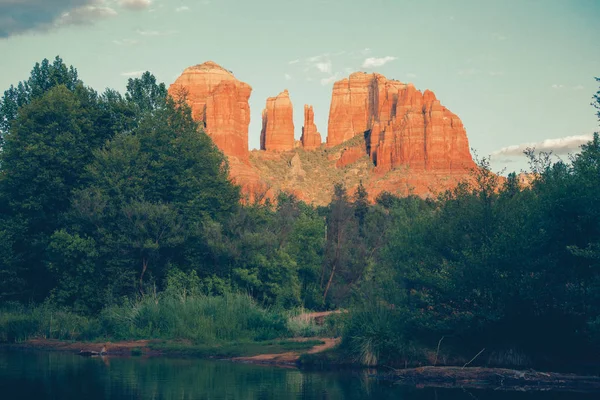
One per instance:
(374, 335)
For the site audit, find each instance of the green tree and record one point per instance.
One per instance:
(43, 77)
(43, 159)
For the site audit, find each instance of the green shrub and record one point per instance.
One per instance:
(375, 335)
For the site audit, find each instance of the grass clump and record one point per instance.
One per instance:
(375, 335)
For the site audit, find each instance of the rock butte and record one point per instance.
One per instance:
(311, 139)
(220, 102)
(382, 132)
(278, 124)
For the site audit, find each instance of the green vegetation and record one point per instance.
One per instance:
(118, 221)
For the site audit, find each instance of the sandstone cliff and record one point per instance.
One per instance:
(220, 102)
(382, 132)
(401, 125)
(278, 124)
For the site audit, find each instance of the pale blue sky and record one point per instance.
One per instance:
(514, 71)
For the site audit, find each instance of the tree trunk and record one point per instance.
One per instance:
(144, 268)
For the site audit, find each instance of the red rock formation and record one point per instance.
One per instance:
(403, 126)
(350, 155)
(220, 102)
(278, 124)
(311, 139)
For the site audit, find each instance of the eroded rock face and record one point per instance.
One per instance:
(278, 124)
(220, 102)
(402, 126)
(311, 139)
(350, 155)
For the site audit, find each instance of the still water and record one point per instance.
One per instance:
(40, 375)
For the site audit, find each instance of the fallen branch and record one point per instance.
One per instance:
(473, 359)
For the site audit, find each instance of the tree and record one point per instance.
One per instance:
(596, 102)
(151, 191)
(341, 231)
(43, 77)
(43, 160)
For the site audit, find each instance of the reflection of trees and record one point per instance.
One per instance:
(67, 376)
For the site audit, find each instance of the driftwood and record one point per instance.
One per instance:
(92, 353)
(494, 378)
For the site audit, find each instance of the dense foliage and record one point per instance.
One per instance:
(117, 204)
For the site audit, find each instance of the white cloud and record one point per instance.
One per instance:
(557, 86)
(365, 51)
(182, 8)
(558, 146)
(324, 66)
(411, 75)
(135, 4)
(578, 87)
(85, 15)
(327, 81)
(293, 62)
(372, 62)
(287, 77)
(133, 74)
(126, 42)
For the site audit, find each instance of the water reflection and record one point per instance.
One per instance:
(38, 375)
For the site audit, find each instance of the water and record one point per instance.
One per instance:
(41, 375)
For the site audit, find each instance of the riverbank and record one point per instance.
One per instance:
(281, 351)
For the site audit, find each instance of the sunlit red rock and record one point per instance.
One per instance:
(278, 124)
(401, 125)
(311, 139)
(350, 155)
(220, 102)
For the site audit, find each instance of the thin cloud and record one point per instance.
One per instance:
(85, 15)
(498, 36)
(126, 42)
(327, 81)
(468, 72)
(182, 8)
(155, 33)
(557, 86)
(293, 62)
(287, 77)
(135, 5)
(411, 75)
(372, 62)
(324, 66)
(316, 58)
(578, 87)
(496, 73)
(560, 146)
(133, 74)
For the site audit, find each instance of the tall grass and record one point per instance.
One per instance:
(375, 335)
(19, 323)
(199, 318)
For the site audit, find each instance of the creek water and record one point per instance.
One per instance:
(48, 375)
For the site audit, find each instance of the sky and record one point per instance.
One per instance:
(517, 72)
